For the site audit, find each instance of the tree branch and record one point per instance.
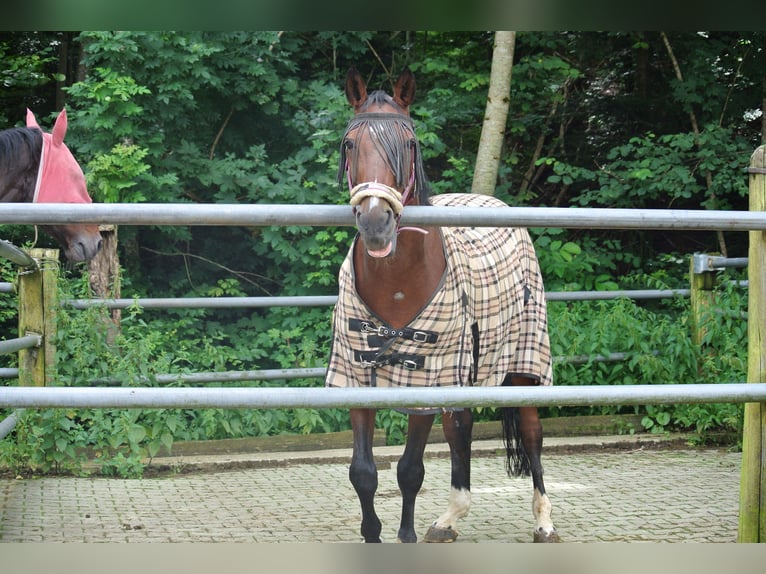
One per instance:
(696, 130)
(243, 275)
(220, 132)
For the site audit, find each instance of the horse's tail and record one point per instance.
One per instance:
(516, 458)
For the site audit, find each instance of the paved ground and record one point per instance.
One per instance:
(632, 493)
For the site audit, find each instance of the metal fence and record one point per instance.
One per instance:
(321, 215)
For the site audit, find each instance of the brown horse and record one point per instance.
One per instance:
(37, 167)
(434, 306)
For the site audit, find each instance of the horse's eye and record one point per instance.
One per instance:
(348, 144)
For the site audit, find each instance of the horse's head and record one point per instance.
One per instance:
(380, 160)
(61, 180)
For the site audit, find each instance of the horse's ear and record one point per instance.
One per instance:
(59, 128)
(356, 89)
(404, 90)
(31, 120)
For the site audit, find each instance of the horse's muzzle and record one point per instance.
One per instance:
(376, 223)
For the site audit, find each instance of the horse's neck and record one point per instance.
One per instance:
(396, 288)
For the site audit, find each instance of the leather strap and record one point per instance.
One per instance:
(384, 332)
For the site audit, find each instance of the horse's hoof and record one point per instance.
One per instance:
(542, 536)
(438, 534)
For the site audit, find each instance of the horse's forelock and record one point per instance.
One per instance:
(379, 98)
(392, 138)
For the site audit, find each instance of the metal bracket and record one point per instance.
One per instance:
(703, 263)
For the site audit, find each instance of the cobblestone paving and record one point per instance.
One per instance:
(641, 496)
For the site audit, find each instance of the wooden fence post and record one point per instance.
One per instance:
(752, 500)
(38, 300)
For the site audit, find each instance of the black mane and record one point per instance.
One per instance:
(17, 145)
(19, 160)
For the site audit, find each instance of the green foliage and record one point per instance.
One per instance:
(658, 350)
(662, 171)
(568, 267)
(596, 119)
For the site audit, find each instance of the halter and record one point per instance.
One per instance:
(398, 200)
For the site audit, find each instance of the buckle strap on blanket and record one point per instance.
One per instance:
(374, 359)
(386, 332)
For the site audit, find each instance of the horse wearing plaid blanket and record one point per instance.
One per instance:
(428, 307)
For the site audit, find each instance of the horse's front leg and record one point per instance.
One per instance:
(458, 426)
(363, 473)
(410, 472)
(531, 431)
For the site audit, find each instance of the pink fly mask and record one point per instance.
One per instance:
(59, 178)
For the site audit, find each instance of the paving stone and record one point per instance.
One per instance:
(629, 496)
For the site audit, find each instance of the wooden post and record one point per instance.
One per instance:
(702, 283)
(752, 499)
(38, 300)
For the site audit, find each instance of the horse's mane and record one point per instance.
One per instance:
(392, 136)
(20, 147)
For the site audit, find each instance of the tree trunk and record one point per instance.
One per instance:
(495, 115)
(62, 68)
(104, 277)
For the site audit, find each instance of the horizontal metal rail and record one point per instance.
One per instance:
(305, 373)
(327, 300)
(225, 376)
(341, 215)
(702, 262)
(26, 342)
(6, 287)
(204, 302)
(287, 397)
(623, 294)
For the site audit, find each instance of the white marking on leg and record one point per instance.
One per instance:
(541, 509)
(459, 503)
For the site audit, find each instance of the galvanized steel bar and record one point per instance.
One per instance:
(703, 263)
(6, 287)
(291, 397)
(26, 342)
(204, 302)
(607, 295)
(9, 373)
(327, 300)
(226, 376)
(9, 423)
(306, 373)
(340, 215)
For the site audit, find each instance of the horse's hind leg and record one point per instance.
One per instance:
(458, 426)
(363, 473)
(410, 472)
(530, 430)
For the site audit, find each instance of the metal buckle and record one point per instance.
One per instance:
(420, 337)
(366, 327)
(409, 364)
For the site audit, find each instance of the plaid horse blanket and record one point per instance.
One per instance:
(486, 320)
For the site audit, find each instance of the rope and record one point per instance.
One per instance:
(374, 189)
